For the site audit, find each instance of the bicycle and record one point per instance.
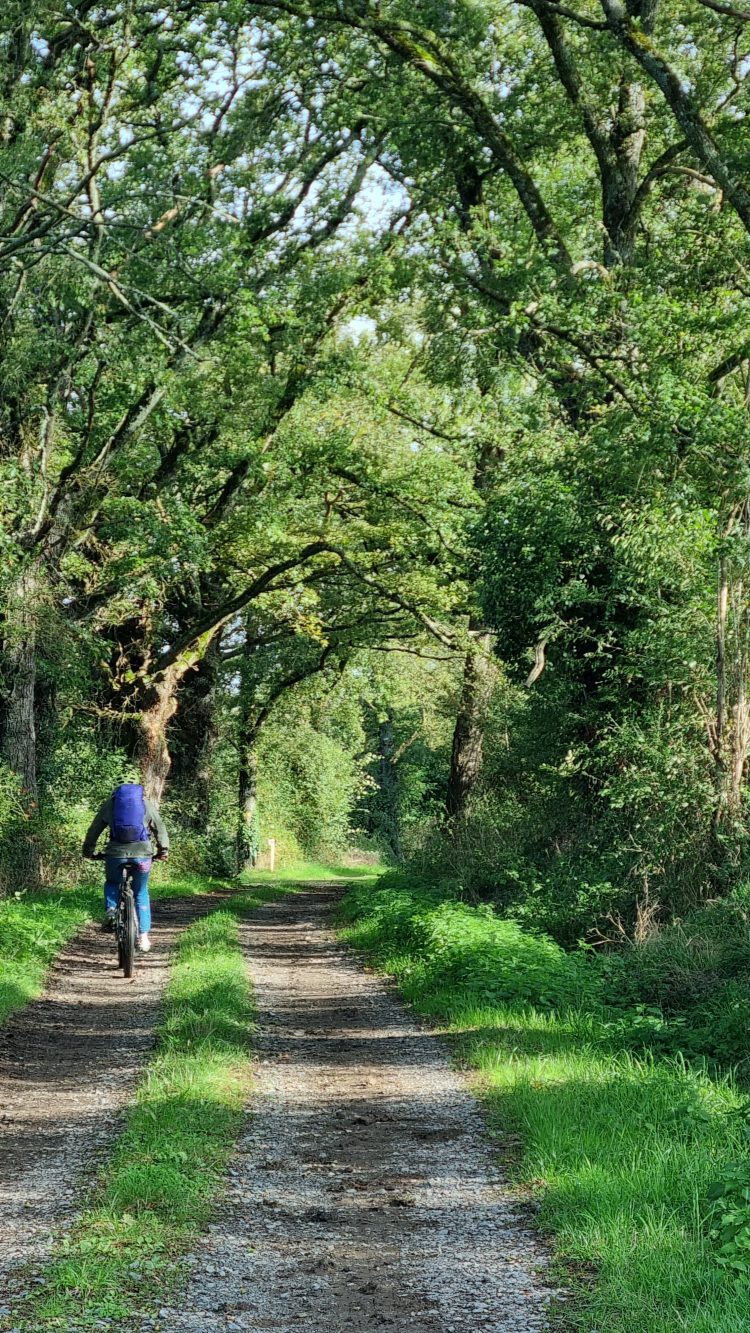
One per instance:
(126, 918)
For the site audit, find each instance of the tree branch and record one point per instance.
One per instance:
(422, 51)
(686, 113)
(221, 614)
(540, 662)
(371, 582)
(731, 11)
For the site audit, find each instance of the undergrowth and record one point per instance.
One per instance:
(638, 1156)
(157, 1190)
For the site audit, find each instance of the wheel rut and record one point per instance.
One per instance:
(364, 1194)
(69, 1063)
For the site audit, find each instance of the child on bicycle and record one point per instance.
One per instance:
(131, 820)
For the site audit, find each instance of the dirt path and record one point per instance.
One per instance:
(364, 1194)
(68, 1065)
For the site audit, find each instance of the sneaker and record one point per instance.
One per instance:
(144, 943)
(108, 924)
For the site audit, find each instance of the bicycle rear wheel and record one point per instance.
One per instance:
(129, 937)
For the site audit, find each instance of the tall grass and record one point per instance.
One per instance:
(621, 1148)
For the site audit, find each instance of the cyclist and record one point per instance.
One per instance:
(131, 820)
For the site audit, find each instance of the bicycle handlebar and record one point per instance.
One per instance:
(101, 856)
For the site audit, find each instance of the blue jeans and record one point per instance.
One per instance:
(112, 866)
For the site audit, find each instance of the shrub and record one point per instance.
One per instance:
(491, 959)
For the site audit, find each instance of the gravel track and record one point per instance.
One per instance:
(69, 1063)
(364, 1195)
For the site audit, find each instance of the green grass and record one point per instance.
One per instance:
(33, 928)
(298, 871)
(621, 1149)
(157, 1191)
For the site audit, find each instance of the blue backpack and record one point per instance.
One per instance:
(129, 814)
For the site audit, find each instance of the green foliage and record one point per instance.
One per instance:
(407, 715)
(471, 948)
(681, 991)
(605, 776)
(309, 783)
(728, 1220)
(194, 853)
(691, 983)
(310, 772)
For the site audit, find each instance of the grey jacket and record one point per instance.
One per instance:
(103, 819)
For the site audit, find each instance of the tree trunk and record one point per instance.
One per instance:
(388, 784)
(194, 737)
(248, 728)
(740, 711)
(207, 730)
(620, 183)
(248, 839)
(19, 730)
(719, 746)
(480, 674)
(740, 736)
(153, 749)
(19, 741)
(730, 733)
(247, 831)
(47, 713)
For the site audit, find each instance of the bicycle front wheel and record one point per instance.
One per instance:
(129, 938)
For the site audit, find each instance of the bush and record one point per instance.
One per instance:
(563, 891)
(210, 853)
(457, 944)
(307, 786)
(693, 977)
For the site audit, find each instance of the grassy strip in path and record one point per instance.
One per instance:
(298, 872)
(157, 1191)
(621, 1149)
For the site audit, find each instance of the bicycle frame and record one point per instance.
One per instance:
(126, 928)
(126, 891)
(126, 920)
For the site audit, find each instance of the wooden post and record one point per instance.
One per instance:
(271, 853)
